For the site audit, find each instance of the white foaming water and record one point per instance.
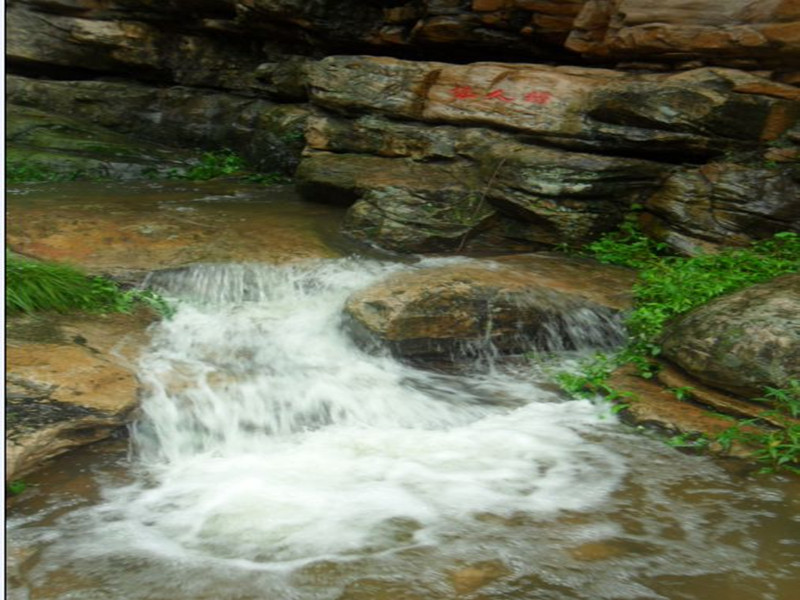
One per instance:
(274, 459)
(269, 440)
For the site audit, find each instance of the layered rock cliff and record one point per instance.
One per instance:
(454, 124)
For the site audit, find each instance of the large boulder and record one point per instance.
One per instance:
(509, 304)
(742, 342)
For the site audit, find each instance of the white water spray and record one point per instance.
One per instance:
(268, 438)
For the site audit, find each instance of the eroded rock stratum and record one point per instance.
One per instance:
(457, 124)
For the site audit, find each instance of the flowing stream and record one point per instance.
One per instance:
(274, 459)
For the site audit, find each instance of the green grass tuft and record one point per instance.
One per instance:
(33, 286)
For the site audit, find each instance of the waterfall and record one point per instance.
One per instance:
(268, 438)
(273, 458)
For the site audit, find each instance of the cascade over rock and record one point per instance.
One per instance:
(509, 304)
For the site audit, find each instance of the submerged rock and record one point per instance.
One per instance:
(509, 304)
(69, 382)
(742, 342)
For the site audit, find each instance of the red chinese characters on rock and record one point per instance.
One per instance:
(538, 97)
(465, 92)
(499, 95)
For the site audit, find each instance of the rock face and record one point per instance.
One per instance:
(703, 111)
(742, 342)
(70, 147)
(269, 135)
(436, 155)
(69, 382)
(725, 203)
(734, 32)
(510, 304)
(511, 155)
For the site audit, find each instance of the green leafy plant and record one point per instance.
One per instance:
(16, 487)
(222, 163)
(778, 448)
(692, 439)
(33, 286)
(19, 172)
(267, 178)
(627, 247)
(672, 285)
(669, 286)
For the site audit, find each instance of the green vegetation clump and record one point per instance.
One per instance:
(17, 172)
(224, 163)
(779, 449)
(33, 286)
(16, 487)
(669, 286)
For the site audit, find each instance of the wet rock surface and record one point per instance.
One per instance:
(651, 405)
(269, 135)
(73, 148)
(689, 84)
(725, 203)
(742, 342)
(146, 226)
(70, 381)
(508, 304)
(536, 154)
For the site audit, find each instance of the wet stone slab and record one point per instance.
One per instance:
(128, 230)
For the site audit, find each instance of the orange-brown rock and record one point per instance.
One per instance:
(509, 304)
(70, 381)
(675, 30)
(703, 111)
(146, 228)
(649, 404)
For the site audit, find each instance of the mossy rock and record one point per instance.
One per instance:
(43, 146)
